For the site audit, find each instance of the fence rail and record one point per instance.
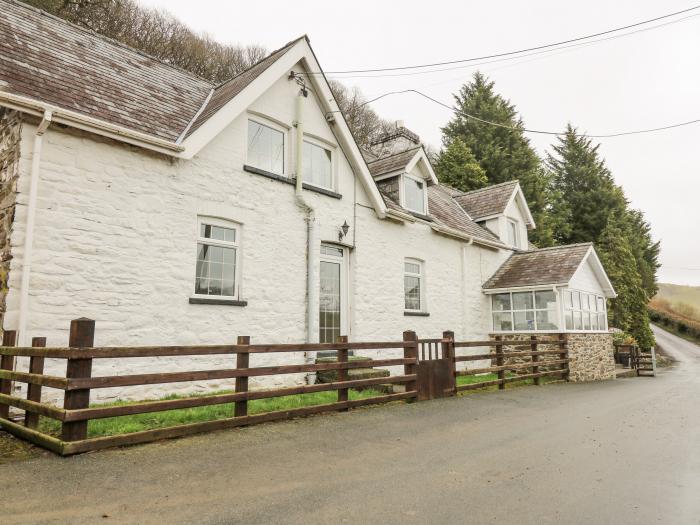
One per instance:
(79, 381)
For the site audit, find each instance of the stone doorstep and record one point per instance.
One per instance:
(330, 376)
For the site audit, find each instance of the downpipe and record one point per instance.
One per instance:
(27, 254)
(311, 235)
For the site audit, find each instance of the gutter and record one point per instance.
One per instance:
(86, 123)
(34, 179)
(469, 238)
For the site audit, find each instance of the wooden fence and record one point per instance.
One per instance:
(79, 381)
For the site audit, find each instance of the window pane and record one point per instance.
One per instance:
(594, 322)
(316, 165)
(414, 191)
(601, 321)
(586, 321)
(569, 317)
(216, 270)
(412, 267)
(577, 301)
(577, 321)
(411, 292)
(545, 300)
(265, 147)
(502, 322)
(512, 233)
(333, 251)
(330, 298)
(547, 320)
(522, 301)
(218, 233)
(569, 298)
(601, 304)
(500, 302)
(524, 320)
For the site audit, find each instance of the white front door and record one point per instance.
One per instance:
(333, 293)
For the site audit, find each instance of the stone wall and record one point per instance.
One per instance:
(590, 354)
(10, 132)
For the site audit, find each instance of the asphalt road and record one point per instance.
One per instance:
(616, 452)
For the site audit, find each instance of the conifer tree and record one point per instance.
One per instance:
(456, 166)
(628, 311)
(504, 153)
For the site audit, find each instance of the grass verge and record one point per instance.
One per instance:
(113, 426)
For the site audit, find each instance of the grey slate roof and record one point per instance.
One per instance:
(443, 208)
(488, 201)
(48, 59)
(391, 163)
(555, 265)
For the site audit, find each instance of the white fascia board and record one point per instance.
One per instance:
(518, 194)
(538, 287)
(599, 270)
(422, 156)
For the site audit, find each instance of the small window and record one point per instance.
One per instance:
(265, 147)
(413, 285)
(317, 166)
(218, 251)
(414, 194)
(513, 233)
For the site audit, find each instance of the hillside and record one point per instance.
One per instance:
(676, 293)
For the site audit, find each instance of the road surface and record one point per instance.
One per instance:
(616, 452)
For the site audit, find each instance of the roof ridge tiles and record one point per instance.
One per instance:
(394, 154)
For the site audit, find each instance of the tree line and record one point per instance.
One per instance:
(571, 192)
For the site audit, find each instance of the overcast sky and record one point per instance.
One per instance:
(644, 80)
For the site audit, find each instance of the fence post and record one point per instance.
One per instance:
(36, 366)
(564, 353)
(410, 352)
(7, 362)
(82, 335)
(534, 358)
(342, 354)
(242, 361)
(448, 352)
(500, 362)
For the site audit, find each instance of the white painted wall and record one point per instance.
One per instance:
(115, 241)
(586, 280)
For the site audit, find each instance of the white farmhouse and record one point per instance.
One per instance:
(174, 211)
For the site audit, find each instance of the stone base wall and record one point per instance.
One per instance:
(591, 357)
(590, 354)
(10, 131)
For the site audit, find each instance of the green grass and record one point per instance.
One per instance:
(470, 380)
(675, 293)
(127, 424)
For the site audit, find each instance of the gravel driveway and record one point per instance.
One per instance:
(623, 451)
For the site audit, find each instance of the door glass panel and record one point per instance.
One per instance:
(330, 302)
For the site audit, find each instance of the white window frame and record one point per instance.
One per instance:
(332, 149)
(583, 309)
(237, 244)
(514, 224)
(402, 193)
(512, 311)
(264, 121)
(421, 279)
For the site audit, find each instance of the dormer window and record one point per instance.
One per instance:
(513, 233)
(415, 196)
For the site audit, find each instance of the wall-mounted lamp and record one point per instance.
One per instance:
(343, 231)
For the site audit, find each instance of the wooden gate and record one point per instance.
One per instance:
(435, 370)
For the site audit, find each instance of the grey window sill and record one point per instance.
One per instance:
(416, 314)
(221, 302)
(292, 181)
